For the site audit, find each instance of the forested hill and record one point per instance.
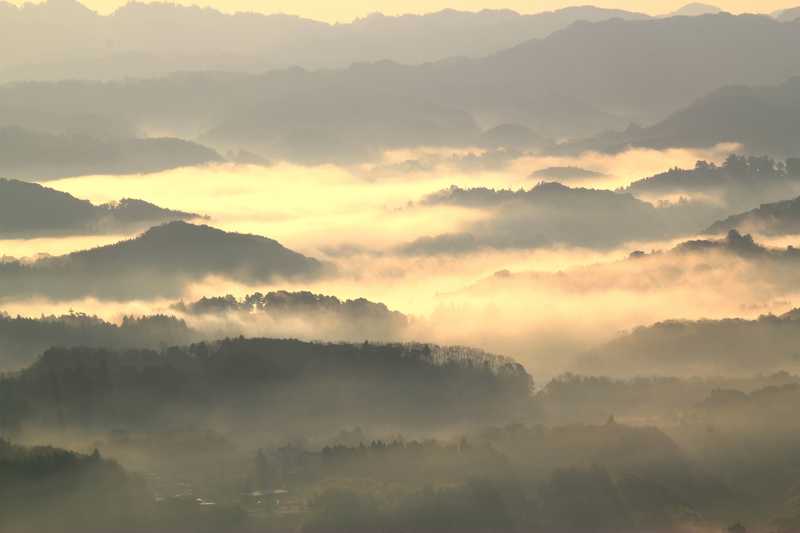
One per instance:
(32, 210)
(23, 339)
(257, 384)
(160, 262)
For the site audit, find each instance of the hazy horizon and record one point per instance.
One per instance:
(349, 11)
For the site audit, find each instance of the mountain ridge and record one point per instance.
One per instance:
(159, 262)
(33, 210)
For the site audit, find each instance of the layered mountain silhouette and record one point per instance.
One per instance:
(552, 214)
(32, 210)
(734, 243)
(740, 183)
(696, 10)
(300, 315)
(650, 392)
(158, 263)
(675, 52)
(353, 112)
(513, 136)
(763, 119)
(565, 173)
(23, 340)
(280, 313)
(737, 263)
(138, 38)
(535, 84)
(779, 218)
(706, 347)
(28, 154)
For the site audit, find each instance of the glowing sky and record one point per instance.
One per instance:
(350, 9)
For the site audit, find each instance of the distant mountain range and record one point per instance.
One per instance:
(27, 154)
(675, 203)
(534, 84)
(764, 119)
(553, 214)
(695, 10)
(139, 39)
(565, 173)
(31, 210)
(158, 263)
(574, 83)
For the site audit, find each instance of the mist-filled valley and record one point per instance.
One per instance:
(459, 271)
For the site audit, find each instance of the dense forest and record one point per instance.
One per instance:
(264, 385)
(279, 313)
(24, 339)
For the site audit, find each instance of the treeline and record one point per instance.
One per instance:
(591, 399)
(704, 347)
(287, 302)
(47, 489)
(23, 339)
(300, 314)
(509, 479)
(51, 490)
(608, 477)
(515, 478)
(729, 458)
(259, 384)
(276, 314)
(741, 182)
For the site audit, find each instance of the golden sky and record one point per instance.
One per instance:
(346, 10)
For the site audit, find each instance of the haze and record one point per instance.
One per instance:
(347, 11)
(314, 268)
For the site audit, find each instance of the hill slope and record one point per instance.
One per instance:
(138, 39)
(28, 210)
(28, 154)
(554, 214)
(574, 83)
(731, 347)
(158, 263)
(779, 218)
(763, 119)
(239, 383)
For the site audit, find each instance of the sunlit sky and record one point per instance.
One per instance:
(343, 11)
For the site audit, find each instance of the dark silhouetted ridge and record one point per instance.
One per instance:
(160, 262)
(30, 210)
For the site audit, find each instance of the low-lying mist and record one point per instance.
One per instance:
(549, 308)
(544, 305)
